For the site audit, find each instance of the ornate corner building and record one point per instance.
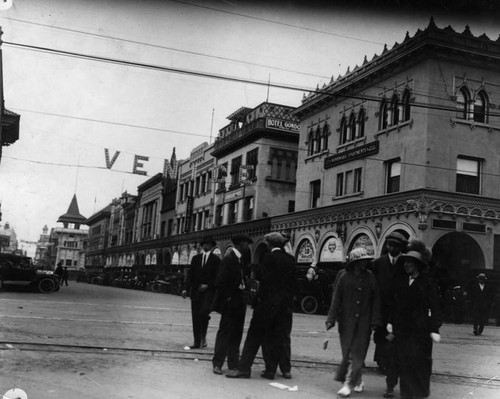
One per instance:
(407, 141)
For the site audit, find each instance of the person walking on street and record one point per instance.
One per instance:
(64, 276)
(59, 271)
(481, 297)
(356, 307)
(230, 303)
(272, 312)
(200, 284)
(386, 270)
(415, 321)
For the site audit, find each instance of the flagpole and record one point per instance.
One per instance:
(212, 126)
(268, 85)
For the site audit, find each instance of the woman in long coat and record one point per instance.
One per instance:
(415, 321)
(356, 307)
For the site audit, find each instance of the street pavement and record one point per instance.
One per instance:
(89, 341)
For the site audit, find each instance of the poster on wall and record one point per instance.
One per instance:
(364, 241)
(332, 251)
(305, 252)
(184, 256)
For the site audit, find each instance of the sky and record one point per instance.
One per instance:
(73, 108)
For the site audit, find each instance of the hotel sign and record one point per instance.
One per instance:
(281, 124)
(351, 155)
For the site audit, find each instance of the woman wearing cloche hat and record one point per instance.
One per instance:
(356, 306)
(415, 322)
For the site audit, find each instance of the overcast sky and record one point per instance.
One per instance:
(72, 108)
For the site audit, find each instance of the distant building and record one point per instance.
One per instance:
(8, 239)
(42, 249)
(70, 240)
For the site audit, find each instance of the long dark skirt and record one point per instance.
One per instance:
(415, 365)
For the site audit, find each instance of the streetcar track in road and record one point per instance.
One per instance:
(193, 355)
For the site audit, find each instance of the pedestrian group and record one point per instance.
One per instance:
(394, 297)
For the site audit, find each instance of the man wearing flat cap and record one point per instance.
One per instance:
(387, 269)
(230, 303)
(272, 313)
(481, 297)
(200, 283)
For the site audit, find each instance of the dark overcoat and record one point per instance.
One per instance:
(356, 307)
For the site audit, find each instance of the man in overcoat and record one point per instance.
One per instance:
(387, 269)
(273, 310)
(230, 303)
(200, 283)
(481, 297)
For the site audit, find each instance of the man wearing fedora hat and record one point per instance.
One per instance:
(387, 269)
(200, 283)
(415, 320)
(230, 303)
(356, 307)
(481, 297)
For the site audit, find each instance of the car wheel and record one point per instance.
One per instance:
(46, 285)
(309, 304)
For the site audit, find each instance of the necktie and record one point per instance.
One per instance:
(204, 260)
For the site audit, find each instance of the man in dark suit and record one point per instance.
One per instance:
(272, 312)
(387, 270)
(481, 297)
(200, 283)
(230, 303)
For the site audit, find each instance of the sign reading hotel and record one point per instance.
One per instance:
(281, 124)
(351, 155)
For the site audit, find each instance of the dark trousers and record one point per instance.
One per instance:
(480, 319)
(64, 280)
(227, 342)
(199, 318)
(269, 324)
(277, 348)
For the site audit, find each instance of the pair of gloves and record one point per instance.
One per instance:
(434, 336)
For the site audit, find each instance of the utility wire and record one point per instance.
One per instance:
(276, 22)
(165, 47)
(327, 91)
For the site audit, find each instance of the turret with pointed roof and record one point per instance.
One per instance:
(72, 215)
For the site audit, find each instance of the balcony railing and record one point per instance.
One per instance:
(221, 142)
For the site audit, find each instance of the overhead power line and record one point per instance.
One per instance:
(276, 22)
(326, 91)
(165, 47)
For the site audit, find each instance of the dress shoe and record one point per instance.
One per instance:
(360, 387)
(267, 374)
(203, 343)
(238, 374)
(195, 346)
(217, 370)
(345, 391)
(389, 393)
(287, 375)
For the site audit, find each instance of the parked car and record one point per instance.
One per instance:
(18, 271)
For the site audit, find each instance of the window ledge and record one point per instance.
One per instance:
(395, 127)
(358, 194)
(473, 124)
(271, 179)
(353, 143)
(317, 155)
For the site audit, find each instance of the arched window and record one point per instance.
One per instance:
(317, 141)
(352, 127)
(361, 123)
(326, 132)
(405, 106)
(394, 119)
(481, 107)
(343, 130)
(462, 103)
(310, 144)
(383, 115)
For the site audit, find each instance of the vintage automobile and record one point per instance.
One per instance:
(18, 271)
